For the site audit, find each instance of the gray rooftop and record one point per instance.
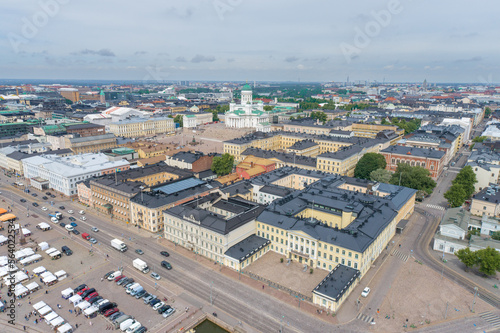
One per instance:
(419, 152)
(337, 282)
(288, 158)
(247, 247)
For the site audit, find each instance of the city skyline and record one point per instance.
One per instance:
(391, 41)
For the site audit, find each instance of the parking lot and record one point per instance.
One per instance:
(87, 265)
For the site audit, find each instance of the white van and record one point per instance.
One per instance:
(54, 220)
(82, 212)
(134, 327)
(69, 227)
(126, 324)
(132, 287)
(115, 274)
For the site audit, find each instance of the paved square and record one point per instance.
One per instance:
(291, 276)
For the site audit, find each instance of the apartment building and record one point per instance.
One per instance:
(430, 159)
(194, 161)
(90, 144)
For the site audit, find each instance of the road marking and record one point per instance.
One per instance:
(436, 207)
(364, 318)
(491, 318)
(400, 255)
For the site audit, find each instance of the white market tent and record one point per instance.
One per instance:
(33, 286)
(30, 259)
(6, 269)
(43, 311)
(26, 232)
(39, 270)
(23, 253)
(52, 249)
(83, 305)
(90, 310)
(39, 305)
(50, 316)
(61, 275)
(55, 253)
(66, 328)
(19, 276)
(58, 321)
(3, 239)
(49, 279)
(44, 246)
(20, 290)
(44, 226)
(75, 299)
(67, 293)
(3, 261)
(45, 274)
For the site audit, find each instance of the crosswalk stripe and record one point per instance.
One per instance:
(365, 318)
(435, 207)
(491, 318)
(400, 255)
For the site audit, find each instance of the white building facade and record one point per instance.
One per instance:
(63, 173)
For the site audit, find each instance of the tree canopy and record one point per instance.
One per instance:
(320, 115)
(487, 112)
(467, 178)
(467, 257)
(455, 195)
(368, 163)
(408, 126)
(414, 177)
(487, 259)
(381, 175)
(479, 139)
(178, 120)
(223, 165)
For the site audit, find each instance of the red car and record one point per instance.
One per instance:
(119, 277)
(94, 294)
(110, 312)
(82, 291)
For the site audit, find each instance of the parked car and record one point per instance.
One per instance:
(158, 305)
(163, 308)
(82, 291)
(115, 315)
(94, 299)
(35, 204)
(141, 293)
(80, 287)
(88, 292)
(62, 224)
(139, 251)
(164, 253)
(93, 240)
(52, 196)
(119, 277)
(94, 294)
(34, 194)
(154, 302)
(83, 218)
(70, 211)
(141, 329)
(74, 224)
(44, 198)
(23, 200)
(128, 283)
(62, 207)
(155, 276)
(168, 312)
(108, 274)
(94, 229)
(110, 312)
(71, 218)
(148, 299)
(365, 292)
(44, 208)
(76, 232)
(123, 279)
(48, 193)
(166, 265)
(66, 250)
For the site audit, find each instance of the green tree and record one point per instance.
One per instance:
(178, 120)
(368, 163)
(268, 108)
(467, 257)
(479, 139)
(467, 178)
(496, 235)
(381, 175)
(456, 195)
(223, 165)
(488, 260)
(68, 101)
(385, 122)
(408, 126)
(320, 115)
(487, 112)
(215, 115)
(414, 177)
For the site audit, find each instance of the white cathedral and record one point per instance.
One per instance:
(248, 114)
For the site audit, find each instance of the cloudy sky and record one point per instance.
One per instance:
(278, 40)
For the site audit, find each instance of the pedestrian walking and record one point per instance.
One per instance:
(81, 262)
(262, 286)
(102, 279)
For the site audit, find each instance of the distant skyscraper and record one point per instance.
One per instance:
(424, 85)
